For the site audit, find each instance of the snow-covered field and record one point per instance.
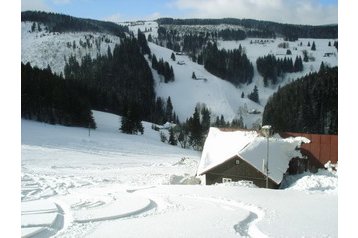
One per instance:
(111, 184)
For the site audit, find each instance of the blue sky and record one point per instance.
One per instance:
(289, 11)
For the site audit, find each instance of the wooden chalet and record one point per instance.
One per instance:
(241, 155)
(235, 155)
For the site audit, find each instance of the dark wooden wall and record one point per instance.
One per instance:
(241, 171)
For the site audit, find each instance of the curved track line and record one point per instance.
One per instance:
(149, 207)
(246, 227)
(52, 229)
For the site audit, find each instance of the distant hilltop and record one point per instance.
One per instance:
(290, 31)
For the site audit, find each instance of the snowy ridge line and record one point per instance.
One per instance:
(246, 227)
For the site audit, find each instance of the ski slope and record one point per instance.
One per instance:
(110, 184)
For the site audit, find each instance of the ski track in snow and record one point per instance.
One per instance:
(45, 230)
(246, 227)
(66, 226)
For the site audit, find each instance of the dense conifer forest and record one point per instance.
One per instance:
(56, 22)
(271, 68)
(120, 82)
(289, 31)
(49, 98)
(307, 105)
(230, 65)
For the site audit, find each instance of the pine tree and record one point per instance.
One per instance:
(298, 65)
(205, 115)
(254, 96)
(305, 55)
(336, 44)
(237, 123)
(172, 56)
(131, 123)
(172, 140)
(242, 95)
(322, 67)
(109, 53)
(193, 76)
(182, 139)
(154, 62)
(142, 41)
(169, 110)
(222, 121)
(33, 27)
(313, 46)
(172, 78)
(195, 129)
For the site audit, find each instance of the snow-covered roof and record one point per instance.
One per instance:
(250, 146)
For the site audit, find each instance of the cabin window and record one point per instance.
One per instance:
(237, 162)
(227, 180)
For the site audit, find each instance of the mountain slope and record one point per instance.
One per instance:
(45, 48)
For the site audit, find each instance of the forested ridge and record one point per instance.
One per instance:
(307, 105)
(120, 82)
(289, 31)
(56, 22)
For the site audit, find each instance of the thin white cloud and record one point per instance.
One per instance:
(38, 5)
(285, 11)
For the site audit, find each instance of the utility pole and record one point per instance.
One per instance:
(266, 130)
(267, 162)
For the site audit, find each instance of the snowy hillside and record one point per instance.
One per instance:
(111, 184)
(221, 97)
(42, 48)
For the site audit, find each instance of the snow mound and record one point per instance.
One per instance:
(322, 181)
(186, 162)
(185, 179)
(241, 183)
